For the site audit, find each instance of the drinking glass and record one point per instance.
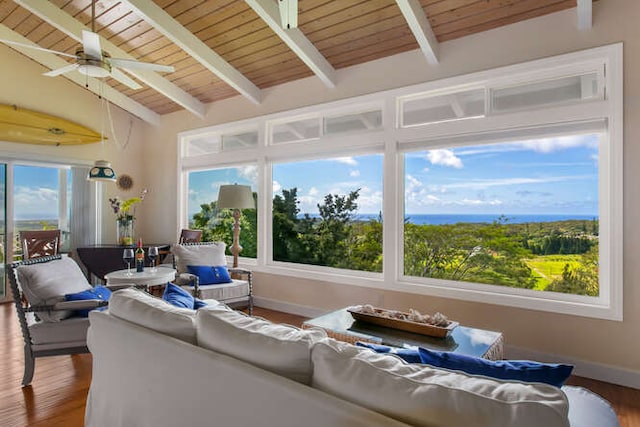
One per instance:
(127, 256)
(153, 254)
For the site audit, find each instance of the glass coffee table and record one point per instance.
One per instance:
(470, 341)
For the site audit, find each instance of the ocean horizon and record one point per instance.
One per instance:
(440, 219)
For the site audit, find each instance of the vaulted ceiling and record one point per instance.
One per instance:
(222, 48)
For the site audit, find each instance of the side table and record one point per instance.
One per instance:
(146, 279)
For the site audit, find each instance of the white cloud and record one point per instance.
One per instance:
(354, 173)
(313, 191)
(544, 145)
(487, 183)
(346, 160)
(276, 187)
(250, 173)
(444, 157)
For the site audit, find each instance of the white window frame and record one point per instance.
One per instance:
(602, 114)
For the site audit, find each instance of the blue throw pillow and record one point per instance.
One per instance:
(522, 370)
(98, 292)
(409, 355)
(177, 296)
(210, 275)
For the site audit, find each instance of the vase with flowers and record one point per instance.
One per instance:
(125, 217)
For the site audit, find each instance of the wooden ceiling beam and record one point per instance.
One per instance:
(73, 28)
(96, 86)
(296, 40)
(421, 28)
(174, 31)
(585, 14)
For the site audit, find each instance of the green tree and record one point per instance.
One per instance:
(581, 279)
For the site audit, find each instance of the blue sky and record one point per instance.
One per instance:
(35, 192)
(548, 176)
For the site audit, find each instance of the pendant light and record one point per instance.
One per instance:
(102, 170)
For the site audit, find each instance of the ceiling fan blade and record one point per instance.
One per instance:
(58, 71)
(91, 44)
(36, 47)
(139, 65)
(124, 79)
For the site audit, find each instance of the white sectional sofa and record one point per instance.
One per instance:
(158, 365)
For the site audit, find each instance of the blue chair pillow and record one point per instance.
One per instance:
(177, 296)
(522, 370)
(210, 275)
(409, 355)
(98, 292)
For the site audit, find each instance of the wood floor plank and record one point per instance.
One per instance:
(58, 394)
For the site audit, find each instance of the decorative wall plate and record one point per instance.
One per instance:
(124, 182)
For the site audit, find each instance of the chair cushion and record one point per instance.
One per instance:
(98, 293)
(48, 282)
(72, 331)
(224, 291)
(137, 306)
(282, 349)
(208, 254)
(420, 395)
(210, 275)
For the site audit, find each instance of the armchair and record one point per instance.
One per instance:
(39, 287)
(211, 254)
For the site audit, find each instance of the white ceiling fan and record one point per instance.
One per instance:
(92, 61)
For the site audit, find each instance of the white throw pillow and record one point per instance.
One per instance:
(282, 349)
(137, 306)
(424, 396)
(48, 282)
(209, 254)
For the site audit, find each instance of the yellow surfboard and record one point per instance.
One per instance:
(32, 127)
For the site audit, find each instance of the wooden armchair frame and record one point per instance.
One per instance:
(24, 310)
(39, 243)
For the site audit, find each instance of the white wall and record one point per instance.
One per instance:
(603, 349)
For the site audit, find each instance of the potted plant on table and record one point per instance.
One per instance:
(125, 217)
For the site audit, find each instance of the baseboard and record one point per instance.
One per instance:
(583, 368)
(286, 307)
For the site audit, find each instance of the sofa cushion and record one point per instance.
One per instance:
(409, 355)
(177, 296)
(282, 349)
(522, 370)
(47, 283)
(209, 254)
(137, 306)
(424, 396)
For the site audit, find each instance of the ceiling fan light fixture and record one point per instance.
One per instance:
(102, 171)
(93, 67)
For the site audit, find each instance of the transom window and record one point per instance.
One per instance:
(503, 186)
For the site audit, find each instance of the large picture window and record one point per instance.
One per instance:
(503, 186)
(329, 212)
(522, 214)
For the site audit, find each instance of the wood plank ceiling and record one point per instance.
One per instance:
(344, 32)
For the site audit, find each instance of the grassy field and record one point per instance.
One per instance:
(546, 268)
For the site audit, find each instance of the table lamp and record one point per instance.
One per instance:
(235, 197)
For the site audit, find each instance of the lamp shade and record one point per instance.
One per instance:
(102, 171)
(235, 197)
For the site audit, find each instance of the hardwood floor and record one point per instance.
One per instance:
(59, 390)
